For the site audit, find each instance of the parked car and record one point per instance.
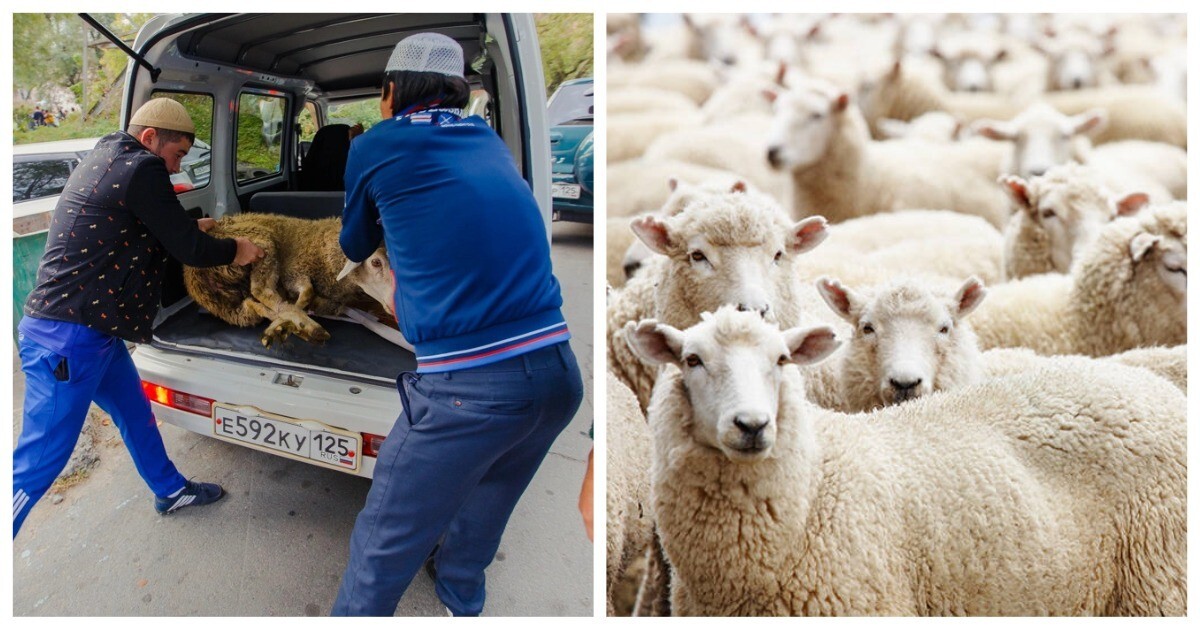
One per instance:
(572, 113)
(218, 380)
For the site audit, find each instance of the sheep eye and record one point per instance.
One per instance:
(698, 256)
(816, 116)
(778, 256)
(868, 329)
(1048, 214)
(375, 262)
(944, 330)
(1181, 270)
(693, 360)
(783, 359)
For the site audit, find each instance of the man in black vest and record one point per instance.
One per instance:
(99, 285)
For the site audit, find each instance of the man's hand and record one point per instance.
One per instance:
(206, 224)
(247, 252)
(585, 498)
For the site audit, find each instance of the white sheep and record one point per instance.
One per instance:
(641, 185)
(694, 79)
(907, 338)
(1058, 215)
(629, 135)
(1168, 363)
(641, 100)
(733, 248)
(1127, 290)
(1043, 138)
(1134, 112)
(630, 520)
(930, 127)
(1057, 492)
(839, 172)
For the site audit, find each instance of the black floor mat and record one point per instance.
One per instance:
(351, 348)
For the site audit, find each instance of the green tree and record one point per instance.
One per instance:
(566, 43)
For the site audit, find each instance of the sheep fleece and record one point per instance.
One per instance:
(1061, 491)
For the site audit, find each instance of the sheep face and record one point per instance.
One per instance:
(805, 124)
(1043, 137)
(732, 365)
(374, 277)
(1072, 60)
(730, 249)
(970, 71)
(1067, 207)
(908, 340)
(1162, 255)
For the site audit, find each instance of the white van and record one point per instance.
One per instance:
(256, 86)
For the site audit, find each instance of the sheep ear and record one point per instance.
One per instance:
(969, 295)
(892, 128)
(843, 301)
(1001, 55)
(653, 232)
(350, 266)
(807, 234)
(810, 345)
(770, 94)
(653, 342)
(897, 69)
(1142, 244)
(1130, 204)
(937, 53)
(841, 102)
(1018, 191)
(738, 187)
(1089, 122)
(673, 183)
(994, 129)
(781, 73)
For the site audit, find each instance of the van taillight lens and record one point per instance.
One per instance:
(175, 399)
(371, 444)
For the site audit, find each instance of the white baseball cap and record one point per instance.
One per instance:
(427, 52)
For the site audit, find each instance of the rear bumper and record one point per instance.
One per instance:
(340, 403)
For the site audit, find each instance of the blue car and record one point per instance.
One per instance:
(572, 155)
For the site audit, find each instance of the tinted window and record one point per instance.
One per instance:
(196, 166)
(43, 178)
(571, 102)
(260, 136)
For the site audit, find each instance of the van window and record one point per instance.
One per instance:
(260, 135)
(365, 112)
(196, 166)
(41, 177)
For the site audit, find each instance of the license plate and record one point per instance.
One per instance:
(565, 191)
(306, 439)
(203, 170)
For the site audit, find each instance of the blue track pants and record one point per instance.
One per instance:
(58, 392)
(455, 465)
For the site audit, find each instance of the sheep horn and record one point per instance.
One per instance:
(350, 266)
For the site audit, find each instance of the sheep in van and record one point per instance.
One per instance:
(304, 269)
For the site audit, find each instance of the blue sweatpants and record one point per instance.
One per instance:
(58, 391)
(455, 464)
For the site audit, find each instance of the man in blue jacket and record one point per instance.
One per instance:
(496, 381)
(98, 286)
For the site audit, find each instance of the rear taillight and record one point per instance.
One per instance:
(183, 187)
(175, 399)
(371, 444)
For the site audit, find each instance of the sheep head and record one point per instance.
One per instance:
(806, 122)
(373, 276)
(1044, 137)
(732, 365)
(733, 248)
(1066, 208)
(909, 339)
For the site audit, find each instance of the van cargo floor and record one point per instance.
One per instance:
(352, 351)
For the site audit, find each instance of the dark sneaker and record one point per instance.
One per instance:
(194, 493)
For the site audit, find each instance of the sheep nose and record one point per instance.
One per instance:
(773, 157)
(762, 310)
(630, 268)
(729, 60)
(1037, 171)
(750, 427)
(1077, 83)
(904, 386)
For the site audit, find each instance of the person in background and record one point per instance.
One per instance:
(98, 286)
(496, 381)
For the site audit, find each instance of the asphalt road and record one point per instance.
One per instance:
(278, 544)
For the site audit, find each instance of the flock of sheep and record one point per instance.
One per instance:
(897, 316)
